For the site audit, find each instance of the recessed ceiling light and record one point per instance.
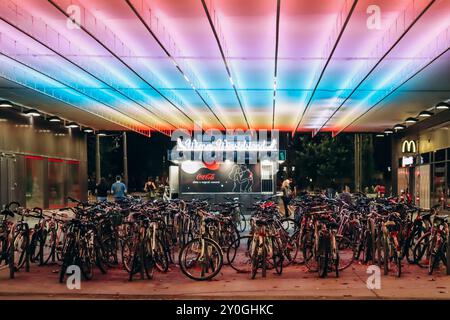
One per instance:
(411, 120)
(5, 104)
(54, 119)
(426, 114)
(399, 127)
(443, 106)
(32, 113)
(72, 125)
(388, 131)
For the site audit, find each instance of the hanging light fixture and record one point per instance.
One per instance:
(411, 120)
(88, 130)
(5, 104)
(443, 106)
(32, 113)
(399, 127)
(72, 125)
(426, 114)
(388, 131)
(54, 119)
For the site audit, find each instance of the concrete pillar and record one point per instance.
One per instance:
(358, 162)
(125, 158)
(98, 170)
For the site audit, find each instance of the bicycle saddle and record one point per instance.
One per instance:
(442, 217)
(7, 213)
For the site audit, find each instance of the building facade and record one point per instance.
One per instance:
(421, 161)
(41, 163)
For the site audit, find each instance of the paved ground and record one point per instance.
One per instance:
(295, 283)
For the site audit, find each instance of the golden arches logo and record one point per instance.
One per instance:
(409, 146)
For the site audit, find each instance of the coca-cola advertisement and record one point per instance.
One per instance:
(199, 177)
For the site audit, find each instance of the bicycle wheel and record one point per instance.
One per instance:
(239, 256)
(242, 223)
(160, 257)
(86, 262)
(323, 257)
(128, 253)
(19, 248)
(49, 247)
(255, 257)
(422, 251)
(277, 257)
(385, 250)
(346, 252)
(201, 259)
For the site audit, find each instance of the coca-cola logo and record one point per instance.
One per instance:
(206, 177)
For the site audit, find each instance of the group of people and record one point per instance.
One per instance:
(155, 189)
(118, 190)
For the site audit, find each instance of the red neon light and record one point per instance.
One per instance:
(72, 161)
(34, 157)
(55, 160)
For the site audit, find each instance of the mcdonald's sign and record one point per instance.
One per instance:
(409, 146)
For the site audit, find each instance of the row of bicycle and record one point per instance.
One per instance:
(327, 235)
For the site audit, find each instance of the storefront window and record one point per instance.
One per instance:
(34, 193)
(439, 182)
(56, 183)
(439, 155)
(424, 158)
(73, 179)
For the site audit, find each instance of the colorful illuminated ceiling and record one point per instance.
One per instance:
(293, 65)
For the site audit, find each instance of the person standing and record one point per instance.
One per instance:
(118, 189)
(102, 190)
(150, 188)
(286, 197)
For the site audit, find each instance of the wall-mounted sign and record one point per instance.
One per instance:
(407, 161)
(219, 178)
(409, 146)
(225, 145)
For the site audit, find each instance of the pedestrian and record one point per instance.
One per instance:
(346, 196)
(286, 197)
(101, 190)
(380, 190)
(118, 189)
(150, 188)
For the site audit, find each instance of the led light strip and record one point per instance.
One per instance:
(82, 69)
(213, 28)
(276, 63)
(377, 64)
(17, 70)
(341, 32)
(119, 59)
(177, 66)
(391, 91)
(70, 87)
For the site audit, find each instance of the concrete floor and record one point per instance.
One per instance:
(295, 283)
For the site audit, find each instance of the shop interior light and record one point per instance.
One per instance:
(380, 135)
(88, 130)
(72, 125)
(399, 127)
(411, 120)
(101, 134)
(54, 119)
(388, 131)
(443, 106)
(5, 104)
(32, 113)
(426, 114)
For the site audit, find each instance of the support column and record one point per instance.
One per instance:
(125, 158)
(98, 171)
(358, 162)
